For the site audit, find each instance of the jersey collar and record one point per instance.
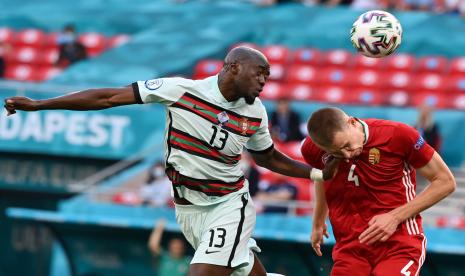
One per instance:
(216, 93)
(366, 131)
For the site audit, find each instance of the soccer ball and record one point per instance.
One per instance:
(376, 34)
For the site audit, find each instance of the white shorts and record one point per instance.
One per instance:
(221, 233)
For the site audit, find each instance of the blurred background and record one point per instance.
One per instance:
(84, 193)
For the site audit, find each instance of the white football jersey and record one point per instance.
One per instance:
(205, 136)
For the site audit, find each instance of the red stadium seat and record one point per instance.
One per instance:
(277, 71)
(433, 64)
(398, 98)
(429, 81)
(274, 91)
(25, 55)
(301, 92)
(458, 101)
(401, 62)
(367, 78)
(6, 35)
(48, 56)
(337, 58)
(333, 94)
(51, 41)
(363, 62)
(20, 72)
(335, 76)
(276, 53)
(456, 84)
(302, 74)
(47, 73)
(207, 67)
(307, 56)
(118, 40)
(94, 43)
(367, 96)
(30, 37)
(397, 80)
(457, 66)
(433, 99)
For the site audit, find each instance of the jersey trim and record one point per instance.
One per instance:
(237, 124)
(183, 141)
(206, 186)
(135, 90)
(239, 230)
(268, 149)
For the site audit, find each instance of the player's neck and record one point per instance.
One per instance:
(226, 88)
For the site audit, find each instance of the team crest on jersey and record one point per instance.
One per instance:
(374, 156)
(153, 84)
(222, 117)
(244, 125)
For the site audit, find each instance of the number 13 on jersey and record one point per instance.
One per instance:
(352, 176)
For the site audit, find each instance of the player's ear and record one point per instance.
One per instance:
(235, 68)
(352, 121)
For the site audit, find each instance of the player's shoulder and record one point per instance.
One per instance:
(312, 154)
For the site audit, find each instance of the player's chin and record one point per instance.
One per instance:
(250, 99)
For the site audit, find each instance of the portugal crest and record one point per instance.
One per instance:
(374, 156)
(244, 125)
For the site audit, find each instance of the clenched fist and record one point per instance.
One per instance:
(19, 103)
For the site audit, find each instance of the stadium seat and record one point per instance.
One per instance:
(277, 72)
(367, 96)
(118, 40)
(274, 91)
(307, 56)
(429, 81)
(20, 72)
(458, 101)
(456, 84)
(333, 94)
(207, 67)
(93, 42)
(366, 78)
(432, 64)
(336, 76)
(302, 74)
(337, 58)
(363, 62)
(25, 55)
(401, 62)
(432, 99)
(397, 80)
(51, 41)
(48, 56)
(6, 35)
(29, 37)
(277, 53)
(301, 92)
(398, 98)
(457, 66)
(46, 73)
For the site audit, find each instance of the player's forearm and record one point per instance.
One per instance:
(280, 163)
(435, 192)
(320, 211)
(92, 99)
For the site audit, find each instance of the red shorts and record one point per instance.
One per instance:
(400, 255)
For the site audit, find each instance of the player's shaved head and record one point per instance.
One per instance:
(324, 123)
(243, 54)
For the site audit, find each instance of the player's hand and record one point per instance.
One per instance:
(330, 168)
(316, 237)
(380, 228)
(19, 103)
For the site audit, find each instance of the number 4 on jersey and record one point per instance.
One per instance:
(352, 176)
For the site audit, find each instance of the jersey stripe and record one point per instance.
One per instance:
(208, 187)
(423, 254)
(411, 223)
(185, 142)
(237, 124)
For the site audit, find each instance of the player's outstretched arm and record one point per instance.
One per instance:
(320, 212)
(442, 183)
(277, 162)
(92, 99)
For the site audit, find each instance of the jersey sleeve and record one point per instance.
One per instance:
(261, 140)
(412, 146)
(312, 154)
(163, 90)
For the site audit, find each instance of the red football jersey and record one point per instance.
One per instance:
(380, 179)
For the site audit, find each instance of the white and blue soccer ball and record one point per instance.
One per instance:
(376, 34)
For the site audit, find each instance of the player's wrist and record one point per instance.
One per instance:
(316, 174)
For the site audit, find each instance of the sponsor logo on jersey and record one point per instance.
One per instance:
(222, 117)
(420, 142)
(244, 125)
(374, 156)
(153, 84)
